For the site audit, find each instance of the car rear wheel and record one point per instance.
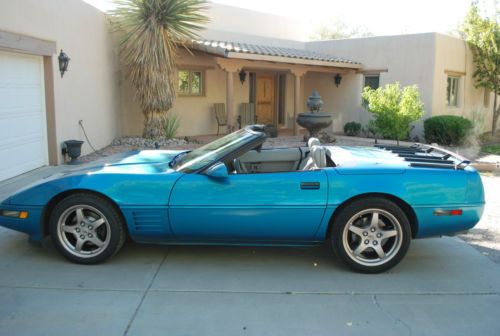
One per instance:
(86, 228)
(371, 235)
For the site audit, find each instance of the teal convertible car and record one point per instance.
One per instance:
(367, 202)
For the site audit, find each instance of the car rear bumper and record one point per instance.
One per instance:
(431, 224)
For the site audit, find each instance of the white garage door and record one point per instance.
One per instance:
(23, 144)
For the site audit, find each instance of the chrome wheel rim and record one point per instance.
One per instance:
(83, 231)
(372, 237)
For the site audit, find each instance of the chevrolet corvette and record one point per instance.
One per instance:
(368, 203)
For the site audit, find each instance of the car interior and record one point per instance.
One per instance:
(273, 160)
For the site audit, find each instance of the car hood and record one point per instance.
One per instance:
(133, 162)
(105, 175)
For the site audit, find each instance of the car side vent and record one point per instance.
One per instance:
(427, 156)
(145, 220)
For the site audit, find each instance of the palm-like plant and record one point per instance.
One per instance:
(151, 31)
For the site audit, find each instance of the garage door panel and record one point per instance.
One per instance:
(17, 164)
(19, 124)
(20, 69)
(20, 141)
(23, 144)
(20, 97)
(20, 113)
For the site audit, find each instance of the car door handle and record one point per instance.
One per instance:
(309, 185)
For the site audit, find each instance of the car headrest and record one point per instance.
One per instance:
(313, 142)
(318, 154)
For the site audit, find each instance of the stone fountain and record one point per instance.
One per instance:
(314, 120)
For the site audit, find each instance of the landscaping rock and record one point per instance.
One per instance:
(147, 143)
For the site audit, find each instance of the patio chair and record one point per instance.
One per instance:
(220, 115)
(247, 115)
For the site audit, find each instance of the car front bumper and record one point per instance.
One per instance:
(30, 225)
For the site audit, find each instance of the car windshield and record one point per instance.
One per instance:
(213, 151)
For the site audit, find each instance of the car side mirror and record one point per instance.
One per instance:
(217, 171)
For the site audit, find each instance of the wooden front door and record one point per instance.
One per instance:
(264, 99)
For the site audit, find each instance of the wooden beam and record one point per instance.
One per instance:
(233, 64)
(371, 71)
(292, 60)
(454, 73)
(194, 67)
(26, 44)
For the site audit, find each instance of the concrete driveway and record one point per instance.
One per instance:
(443, 287)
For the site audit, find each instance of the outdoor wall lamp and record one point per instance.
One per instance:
(243, 76)
(338, 79)
(63, 62)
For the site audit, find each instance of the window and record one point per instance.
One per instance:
(452, 91)
(372, 81)
(190, 82)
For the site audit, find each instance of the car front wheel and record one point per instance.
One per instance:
(371, 235)
(86, 228)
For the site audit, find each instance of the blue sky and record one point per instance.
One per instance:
(380, 17)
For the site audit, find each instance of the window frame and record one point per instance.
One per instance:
(190, 72)
(371, 76)
(364, 102)
(449, 87)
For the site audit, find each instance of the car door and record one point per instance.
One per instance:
(285, 206)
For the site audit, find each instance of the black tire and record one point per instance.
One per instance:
(371, 235)
(86, 228)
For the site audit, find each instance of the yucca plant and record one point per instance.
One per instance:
(171, 126)
(151, 32)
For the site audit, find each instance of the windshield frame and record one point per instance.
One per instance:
(257, 138)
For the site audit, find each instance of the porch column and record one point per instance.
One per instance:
(298, 73)
(230, 100)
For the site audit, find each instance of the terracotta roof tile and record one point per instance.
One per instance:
(223, 48)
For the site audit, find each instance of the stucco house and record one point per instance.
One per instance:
(243, 57)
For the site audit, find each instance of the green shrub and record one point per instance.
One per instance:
(352, 128)
(370, 130)
(447, 130)
(394, 109)
(491, 149)
(171, 126)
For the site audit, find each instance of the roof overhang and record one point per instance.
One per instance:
(232, 51)
(292, 60)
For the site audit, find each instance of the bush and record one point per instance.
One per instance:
(394, 109)
(491, 149)
(447, 130)
(171, 126)
(370, 130)
(352, 128)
